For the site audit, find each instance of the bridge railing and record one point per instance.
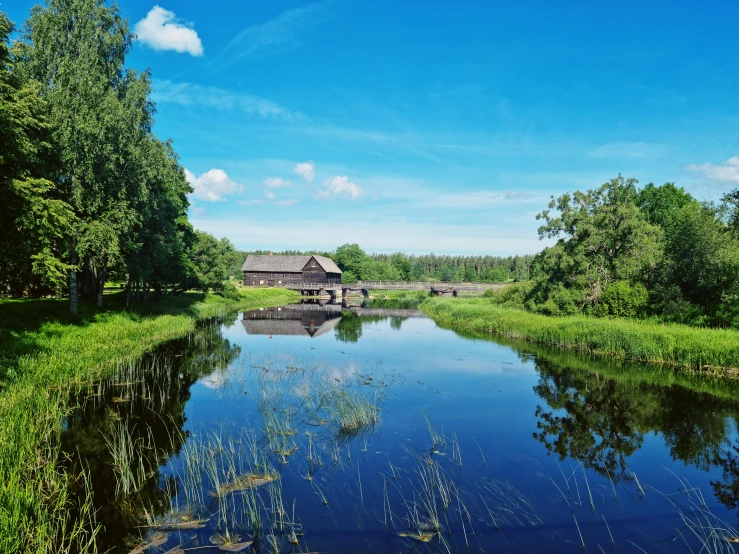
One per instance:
(407, 285)
(428, 284)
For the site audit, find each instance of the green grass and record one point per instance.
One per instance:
(708, 350)
(391, 294)
(44, 354)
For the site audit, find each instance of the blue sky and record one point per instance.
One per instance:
(432, 126)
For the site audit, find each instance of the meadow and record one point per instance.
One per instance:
(45, 354)
(696, 348)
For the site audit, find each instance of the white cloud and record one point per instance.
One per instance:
(269, 194)
(728, 172)
(306, 170)
(160, 30)
(251, 202)
(288, 202)
(199, 212)
(276, 182)
(341, 186)
(212, 186)
(190, 94)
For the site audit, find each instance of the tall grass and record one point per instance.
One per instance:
(45, 355)
(710, 350)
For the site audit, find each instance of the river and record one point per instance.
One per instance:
(314, 428)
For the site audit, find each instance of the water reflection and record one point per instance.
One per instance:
(313, 318)
(125, 428)
(362, 458)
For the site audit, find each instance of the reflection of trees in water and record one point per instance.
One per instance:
(602, 421)
(349, 329)
(147, 399)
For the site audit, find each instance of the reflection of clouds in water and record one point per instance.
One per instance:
(215, 380)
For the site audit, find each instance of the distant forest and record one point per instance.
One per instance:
(358, 265)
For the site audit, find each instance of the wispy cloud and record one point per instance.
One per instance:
(275, 36)
(341, 185)
(727, 172)
(629, 150)
(306, 170)
(483, 199)
(386, 236)
(191, 94)
(161, 31)
(287, 202)
(212, 186)
(276, 182)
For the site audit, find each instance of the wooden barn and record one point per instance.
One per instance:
(278, 271)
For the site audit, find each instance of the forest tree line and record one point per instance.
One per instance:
(627, 251)
(357, 265)
(88, 192)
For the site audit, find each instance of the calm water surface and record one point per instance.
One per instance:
(327, 429)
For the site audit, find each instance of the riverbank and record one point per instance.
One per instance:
(44, 354)
(707, 350)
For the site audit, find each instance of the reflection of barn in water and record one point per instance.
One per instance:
(284, 321)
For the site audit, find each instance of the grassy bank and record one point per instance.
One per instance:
(713, 350)
(44, 354)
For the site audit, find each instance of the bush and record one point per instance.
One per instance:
(622, 299)
(230, 291)
(511, 296)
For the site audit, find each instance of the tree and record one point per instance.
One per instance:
(702, 261)
(349, 257)
(661, 204)
(211, 259)
(603, 238)
(98, 112)
(402, 265)
(33, 222)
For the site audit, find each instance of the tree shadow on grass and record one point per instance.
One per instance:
(26, 324)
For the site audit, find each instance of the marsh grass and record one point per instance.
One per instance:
(47, 357)
(703, 349)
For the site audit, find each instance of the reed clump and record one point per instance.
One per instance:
(701, 349)
(47, 355)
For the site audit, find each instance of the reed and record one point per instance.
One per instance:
(702, 349)
(46, 357)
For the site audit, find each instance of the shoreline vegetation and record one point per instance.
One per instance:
(45, 353)
(713, 351)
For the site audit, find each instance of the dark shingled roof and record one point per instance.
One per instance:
(286, 264)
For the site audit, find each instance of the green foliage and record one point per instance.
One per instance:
(660, 205)
(348, 277)
(622, 299)
(711, 350)
(32, 221)
(211, 261)
(230, 292)
(511, 296)
(603, 238)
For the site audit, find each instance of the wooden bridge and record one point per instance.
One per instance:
(363, 287)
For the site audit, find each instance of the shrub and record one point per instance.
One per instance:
(230, 291)
(622, 299)
(511, 296)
